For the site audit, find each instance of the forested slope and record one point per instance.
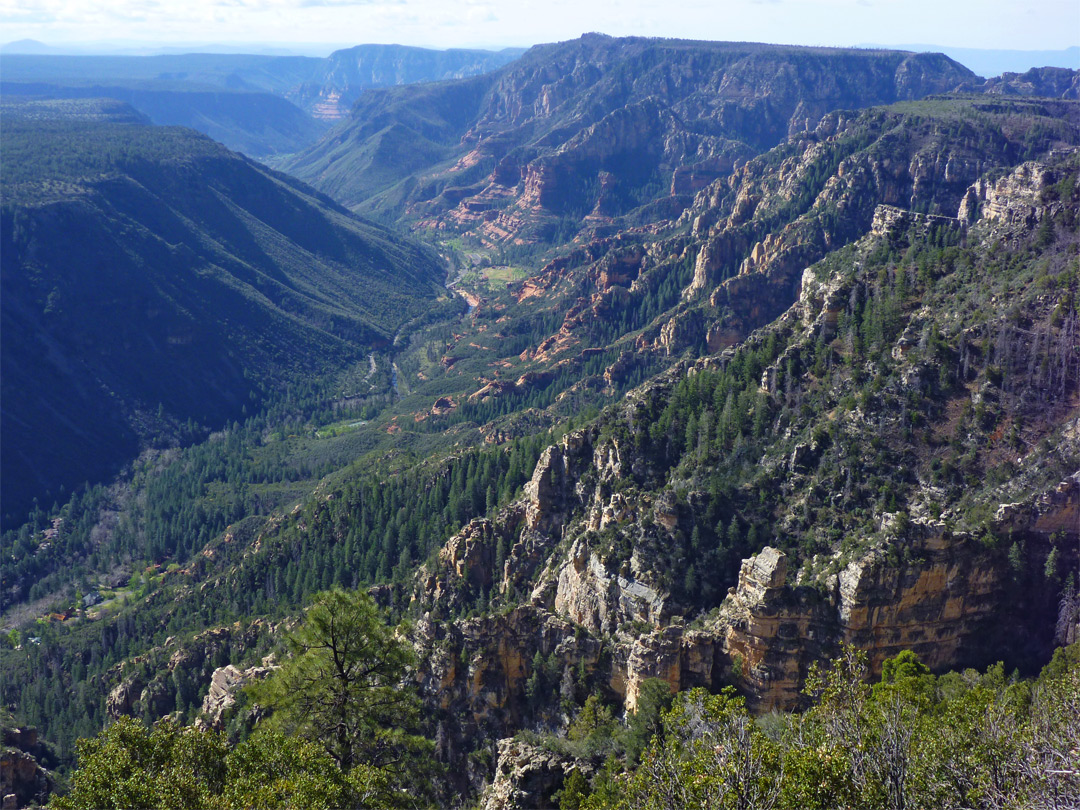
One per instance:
(152, 277)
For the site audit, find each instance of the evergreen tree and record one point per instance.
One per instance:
(341, 686)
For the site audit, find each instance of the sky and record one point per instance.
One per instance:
(992, 24)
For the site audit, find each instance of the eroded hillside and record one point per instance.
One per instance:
(581, 132)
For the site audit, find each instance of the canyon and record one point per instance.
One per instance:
(721, 359)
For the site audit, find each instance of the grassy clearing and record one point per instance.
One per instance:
(337, 428)
(484, 280)
(503, 275)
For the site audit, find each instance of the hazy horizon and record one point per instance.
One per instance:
(982, 60)
(320, 26)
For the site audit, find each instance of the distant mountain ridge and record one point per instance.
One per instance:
(151, 277)
(338, 82)
(255, 123)
(593, 128)
(304, 80)
(260, 105)
(991, 62)
(29, 46)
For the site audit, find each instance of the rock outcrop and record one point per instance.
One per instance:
(600, 599)
(225, 683)
(951, 600)
(1011, 201)
(750, 261)
(25, 778)
(476, 669)
(526, 777)
(149, 685)
(1046, 82)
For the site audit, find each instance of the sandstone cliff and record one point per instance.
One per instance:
(951, 600)
(749, 237)
(598, 523)
(597, 127)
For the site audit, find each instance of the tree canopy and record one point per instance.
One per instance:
(341, 686)
(914, 740)
(338, 734)
(168, 766)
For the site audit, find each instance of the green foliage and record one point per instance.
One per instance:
(645, 722)
(574, 791)
(341, 685)
(1065, 660)
(711, 755)
(277, 770)
(907, 677)
(175, 506)
(131, 766)
(594, 720)
(594, 734)
(962, 740)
